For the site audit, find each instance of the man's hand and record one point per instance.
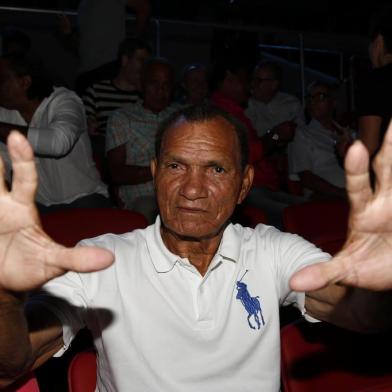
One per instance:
(28, 257)
(285, 131)
(366, 258)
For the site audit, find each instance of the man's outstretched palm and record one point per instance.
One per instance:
(28, 257)
(366, 258)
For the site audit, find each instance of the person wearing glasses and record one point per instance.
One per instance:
(269, 109)
(314, 156)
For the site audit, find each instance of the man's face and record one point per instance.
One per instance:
(321, 103)
(195, 85)
(12, 87)
(157, 87)
(133, 65)
(198, 178)
(264, 85)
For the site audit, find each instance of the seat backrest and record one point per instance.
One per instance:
(323, 358)
(69, 226)
(82, 372)
(26, 384)
(322, 222)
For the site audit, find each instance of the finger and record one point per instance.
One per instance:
(25, 178)
(383, 163)
(80, 259)
(317, 276)
(3, 186)
(357, 176)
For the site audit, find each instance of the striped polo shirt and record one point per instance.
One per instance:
(102, 98)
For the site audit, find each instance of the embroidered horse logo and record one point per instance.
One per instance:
(251, 304)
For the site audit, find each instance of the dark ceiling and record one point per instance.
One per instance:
(301, 15)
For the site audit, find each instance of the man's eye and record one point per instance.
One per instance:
(172, 165)
(219, 169)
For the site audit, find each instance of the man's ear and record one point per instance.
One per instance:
(153, 167)
(124, 60)
(26, 82)
(247, 181)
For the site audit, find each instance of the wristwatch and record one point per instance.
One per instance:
(274, 135)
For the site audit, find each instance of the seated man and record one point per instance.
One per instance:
(105, 96)
(313, 155)
(54, 121)
(130, 138)
(166, 316)
(230, 83)
(269, 109)
(194, 84)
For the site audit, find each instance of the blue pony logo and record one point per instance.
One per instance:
(251, 304)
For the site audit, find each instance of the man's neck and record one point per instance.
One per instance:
(199, 252)
(28, 108)
(123, 83)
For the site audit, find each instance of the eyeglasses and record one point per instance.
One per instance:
(261, 80)
(319, 97)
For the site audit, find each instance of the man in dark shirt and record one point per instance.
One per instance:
(374, 106)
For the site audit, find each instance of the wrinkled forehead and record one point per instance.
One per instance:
(216, 133)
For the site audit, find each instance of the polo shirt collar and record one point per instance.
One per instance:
(164, 260)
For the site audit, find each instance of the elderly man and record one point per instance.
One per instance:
(130, 138)
(191, 302)
(269, 109)
(53, 119)
(313, 156)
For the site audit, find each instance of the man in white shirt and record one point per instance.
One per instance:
(270, 109)
(313, 156)
(191, 303)
(55, 124)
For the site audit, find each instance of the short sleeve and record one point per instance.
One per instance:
(66, 299)
(299, 154)
(117, 132)
(291, 253)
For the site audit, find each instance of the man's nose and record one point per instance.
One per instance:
(194, 185)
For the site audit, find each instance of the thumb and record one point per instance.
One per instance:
(81, 258)
(317, 276)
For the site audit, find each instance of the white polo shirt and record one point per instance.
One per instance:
(159, 325)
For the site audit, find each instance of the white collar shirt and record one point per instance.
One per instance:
(58, 134)
(158, 325)
(265, 116)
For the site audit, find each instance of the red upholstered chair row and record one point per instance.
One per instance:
(82, 372)
(322, 222)
(323, 358)
(69, 226)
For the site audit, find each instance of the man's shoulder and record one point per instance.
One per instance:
(120, 245)
(286, 98)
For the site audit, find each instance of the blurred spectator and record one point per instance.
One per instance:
(15, 42)
(101, 29)
(130, 138)
(54, 121)
(230, 86)
(374, 106)
(269, 109)
(194, 84)
(104, 96)
(314, 156)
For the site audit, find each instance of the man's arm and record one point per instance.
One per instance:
(369, 132)
(355, 309)
(29, 259)
(29, 337)
(121, 173)
(6, 128)
(67, 122)
(319, 185)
